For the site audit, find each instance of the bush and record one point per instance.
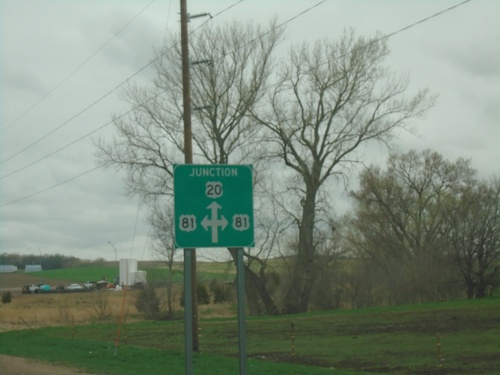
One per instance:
(99, 305)
(148, 302)
(203, 295)
(221, 291)
(6, 297)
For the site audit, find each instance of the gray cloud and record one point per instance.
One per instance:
(455, 55)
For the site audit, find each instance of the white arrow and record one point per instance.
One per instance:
(214, 221)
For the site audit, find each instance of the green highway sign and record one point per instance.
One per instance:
(213, 205)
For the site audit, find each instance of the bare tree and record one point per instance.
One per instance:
(99, 305)
(270, 223)
(330, 99)
(231, 66)
(163, 246)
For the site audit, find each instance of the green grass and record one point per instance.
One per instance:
(79, 274)
(206, 272)
(103, 358)
(396, 340)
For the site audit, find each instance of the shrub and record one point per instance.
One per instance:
(203, 295)
(99, 305)
(221, 291)
(148, 302)
(6, 297)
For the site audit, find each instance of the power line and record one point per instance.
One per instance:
(102, 97)
(34, 105)
(135, 229)
(167, 24)
(426, 19)
(284, 23)
(79, 139)
(217, 14)
(50, 187)
(108, 123)
(82, 137)
(377, 40)
(387, 36)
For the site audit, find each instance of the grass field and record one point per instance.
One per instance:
(396, 340)
(459, 337)
(155, 271)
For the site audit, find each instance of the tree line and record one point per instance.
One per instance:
(301, 117)
(423, 229)
(47, 261)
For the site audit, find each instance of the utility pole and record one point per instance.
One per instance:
(189, 254)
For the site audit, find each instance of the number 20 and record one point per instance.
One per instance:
(213, 189)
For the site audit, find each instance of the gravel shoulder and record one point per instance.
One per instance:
(23, 366)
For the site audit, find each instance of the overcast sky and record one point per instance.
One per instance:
(61, 61)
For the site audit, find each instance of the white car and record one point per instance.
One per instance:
(74, 287)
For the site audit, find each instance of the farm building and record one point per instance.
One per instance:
(7, 268)
(33, 268)
(129, 275)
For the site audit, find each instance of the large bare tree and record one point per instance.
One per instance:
(231, 65)
(330, 98)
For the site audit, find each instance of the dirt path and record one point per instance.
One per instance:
(23, 366)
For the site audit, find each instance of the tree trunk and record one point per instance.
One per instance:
(470, 285)
(303, 275)
(257, 295)
(481, 286)
(170, 301)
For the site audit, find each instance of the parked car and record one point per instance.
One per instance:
(74, 287)
(102, 284)
(44, 288)
(35, 288)
(89, 285)
(26, 289)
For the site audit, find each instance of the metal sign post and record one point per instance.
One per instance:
(242, 333)
(188, 312)
(213, 207)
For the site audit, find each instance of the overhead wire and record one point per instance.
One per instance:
(92, 132)
(74, 71)
(114, 89)
(426, 19)
(83, 136)
(131, 110)
(51, 187)
(374, 41)
(107, 94)
(166, 25)
(135, 229)
(79, 113)
(303, 12)
(74, 116)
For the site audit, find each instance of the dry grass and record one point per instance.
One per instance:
(42, 310)
(54, 309)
